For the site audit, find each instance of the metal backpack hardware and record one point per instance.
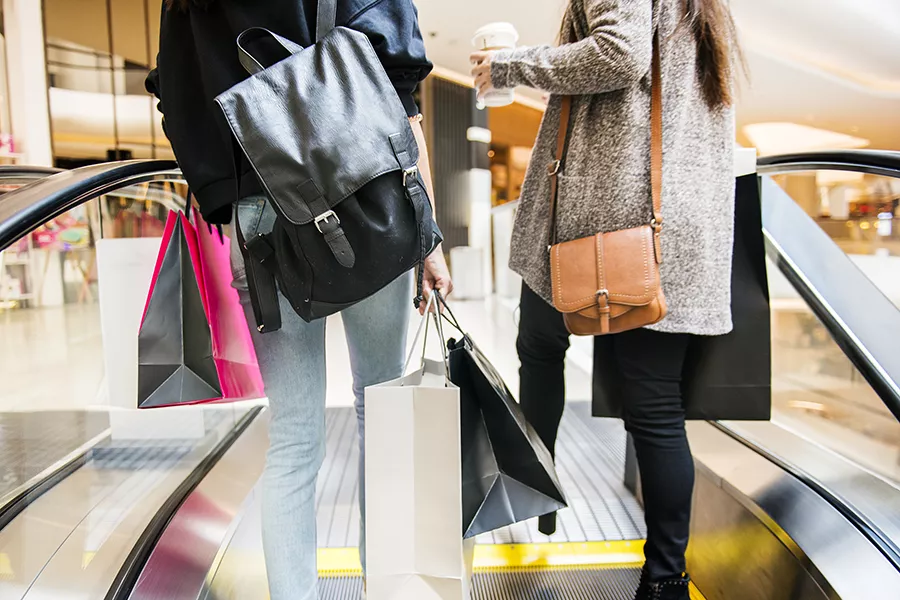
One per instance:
(332, 145)
(610, 282)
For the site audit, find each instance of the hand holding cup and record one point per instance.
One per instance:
(487, 41)
(481, 71)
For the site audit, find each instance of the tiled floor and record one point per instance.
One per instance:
(50, 359)
(30, 443)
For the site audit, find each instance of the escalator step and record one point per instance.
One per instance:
(522, 584)
(544, 584)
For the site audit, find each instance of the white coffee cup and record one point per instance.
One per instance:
(496, 36)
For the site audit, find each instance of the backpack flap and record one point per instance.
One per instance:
(327, 115)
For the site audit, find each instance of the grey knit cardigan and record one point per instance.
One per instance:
(605, 184)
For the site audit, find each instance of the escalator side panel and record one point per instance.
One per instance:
(191, 545)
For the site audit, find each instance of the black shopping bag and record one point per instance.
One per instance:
(726, 377)
(508, 473)
(175, 349)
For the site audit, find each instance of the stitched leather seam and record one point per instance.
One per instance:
(602, 275)
(561, 304)
(558, 278)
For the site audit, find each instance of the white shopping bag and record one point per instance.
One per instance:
(414, 544)
(124, 270)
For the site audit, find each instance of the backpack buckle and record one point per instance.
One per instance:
(413, 171)
(324, 217)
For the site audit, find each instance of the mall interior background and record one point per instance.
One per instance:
(72, 94)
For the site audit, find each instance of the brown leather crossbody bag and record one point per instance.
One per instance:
(609, 282)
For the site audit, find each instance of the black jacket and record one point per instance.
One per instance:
(198, 60)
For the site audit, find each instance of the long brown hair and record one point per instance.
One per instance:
(718, 52)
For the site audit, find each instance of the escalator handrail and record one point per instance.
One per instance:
(873, 162)
(25, 209)
(17, 171)
(888, 547)
(21, 175)
(131, 570)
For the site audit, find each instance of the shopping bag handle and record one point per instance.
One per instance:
(430, 312)
(189, 213)
(446, 313)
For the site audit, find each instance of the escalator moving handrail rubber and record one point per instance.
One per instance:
(130, 572)
(28, 207)
(869, 530)
(17, 171)
(875, 162)
(16, 505)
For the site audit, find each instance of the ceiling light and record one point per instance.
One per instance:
(784, 138)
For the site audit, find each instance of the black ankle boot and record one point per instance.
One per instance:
(671, 589)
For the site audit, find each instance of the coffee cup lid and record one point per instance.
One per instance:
(500, 27)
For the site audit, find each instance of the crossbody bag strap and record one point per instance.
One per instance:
(259, 258)
(656, 136)
(326, 14)
(656, 146)
(555, 167)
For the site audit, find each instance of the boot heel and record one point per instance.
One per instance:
(671, 589)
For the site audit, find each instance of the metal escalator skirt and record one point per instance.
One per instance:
(72, 542)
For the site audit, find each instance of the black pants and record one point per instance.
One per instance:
(649, 365)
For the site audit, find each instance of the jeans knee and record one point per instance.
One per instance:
(298, 454)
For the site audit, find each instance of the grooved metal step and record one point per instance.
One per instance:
(591, 464)
(522, 584)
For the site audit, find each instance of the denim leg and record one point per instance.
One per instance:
(292, 362)
(376, 332)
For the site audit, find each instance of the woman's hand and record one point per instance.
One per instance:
(481, 71)
(437, 277)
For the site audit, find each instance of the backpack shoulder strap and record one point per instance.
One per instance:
(326, 14)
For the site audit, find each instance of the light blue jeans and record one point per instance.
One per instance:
(292, 361)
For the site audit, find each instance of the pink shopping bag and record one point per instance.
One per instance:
(194, 345)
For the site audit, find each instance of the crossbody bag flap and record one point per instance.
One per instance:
(620, 263)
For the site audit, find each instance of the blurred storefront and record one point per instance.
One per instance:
(72, 94)
(98, 54)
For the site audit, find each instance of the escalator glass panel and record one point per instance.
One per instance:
(817, 390)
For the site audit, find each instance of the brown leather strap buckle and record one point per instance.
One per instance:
(656, 224)
(553, 168)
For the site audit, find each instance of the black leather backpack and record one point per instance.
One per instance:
(331, 144)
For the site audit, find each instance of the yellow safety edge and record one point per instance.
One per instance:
(344, 562)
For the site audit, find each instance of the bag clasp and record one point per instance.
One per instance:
(324, 217)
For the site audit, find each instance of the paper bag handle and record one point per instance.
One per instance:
(430, 312)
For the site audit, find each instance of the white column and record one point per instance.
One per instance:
(27, 68)
(480, 223)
